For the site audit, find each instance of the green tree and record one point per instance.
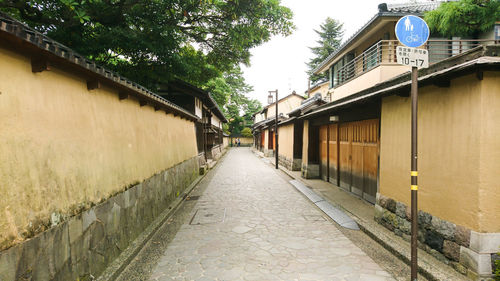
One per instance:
(464, 17)
(330, 34)
(152, 41)
(229, 91)
(246, 132)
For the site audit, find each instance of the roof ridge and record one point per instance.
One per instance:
(41, 41)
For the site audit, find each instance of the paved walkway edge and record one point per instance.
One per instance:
(335, 214)
(120, 263)
(426, 266)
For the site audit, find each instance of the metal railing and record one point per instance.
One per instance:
(384, 52)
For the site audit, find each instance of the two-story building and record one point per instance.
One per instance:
(360, 140)
(264, 122)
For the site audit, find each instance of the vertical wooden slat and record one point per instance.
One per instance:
(370, 160)
(357, 159)
(332, 153)
(323, 151)
(345, 156)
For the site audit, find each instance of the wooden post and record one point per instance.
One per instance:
(414, 173)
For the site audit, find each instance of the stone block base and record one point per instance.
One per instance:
(290, 164)
(268, 152)
(310, 171)
(84, 245)
(469, 252)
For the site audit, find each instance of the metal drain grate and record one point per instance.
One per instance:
(208, 216)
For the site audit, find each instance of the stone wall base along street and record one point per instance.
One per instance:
(81, 247)
(297, 164)
(285, 161)
(469, 252)
(268, 152)
(290, 164)
(201, 159)
(310, 171)
(216, 152)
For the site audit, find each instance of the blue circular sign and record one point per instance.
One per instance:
(412, 31)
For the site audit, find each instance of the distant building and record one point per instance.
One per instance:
(263, 128)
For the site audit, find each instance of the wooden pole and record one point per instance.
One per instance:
(414, 173)
(276, 130)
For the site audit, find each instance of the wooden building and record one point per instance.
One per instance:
(209, 134)
(360, 140)
(263, 128)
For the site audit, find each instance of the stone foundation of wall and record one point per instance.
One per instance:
(290, 164)
(310, 171)
(80, 247)
(216, 152)
(469, 252)
(268, 152)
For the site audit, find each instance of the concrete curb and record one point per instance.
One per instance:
(337, 215)
(120, 263)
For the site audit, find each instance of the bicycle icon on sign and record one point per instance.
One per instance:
(412, 38)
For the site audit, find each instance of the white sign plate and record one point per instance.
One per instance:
(412, 56)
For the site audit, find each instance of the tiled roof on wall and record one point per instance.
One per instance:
(49, 47)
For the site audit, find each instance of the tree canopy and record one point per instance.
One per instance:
(151, 41)
(229, 91)
(330, 36)
(464, 17)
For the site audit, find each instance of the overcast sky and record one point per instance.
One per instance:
(280, 63)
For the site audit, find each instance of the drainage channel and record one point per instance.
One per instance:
(335, 214)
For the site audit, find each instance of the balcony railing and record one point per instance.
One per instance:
(384, 52)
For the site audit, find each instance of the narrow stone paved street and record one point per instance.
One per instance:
(251, 224)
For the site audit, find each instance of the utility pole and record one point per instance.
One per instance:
(413, 32)
(275, 125)
(414, 173)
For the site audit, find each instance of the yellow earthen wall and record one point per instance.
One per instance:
(284, 106)
(63, 146)
(458, 149)
(489, 168)
(285, 140)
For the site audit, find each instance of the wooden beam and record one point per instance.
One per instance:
(39, 64)
(442, 83)
(479, 74)
(122, 95)
(93, 84)
(142, 103)
(403, 93)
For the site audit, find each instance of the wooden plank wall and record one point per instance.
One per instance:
(350, 150)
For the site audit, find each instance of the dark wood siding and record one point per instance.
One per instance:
(355, 159)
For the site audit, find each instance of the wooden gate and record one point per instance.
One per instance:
(262, 139)
(323, 152)
(332, 153)
(358, 156)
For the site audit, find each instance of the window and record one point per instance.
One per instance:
(371, 57)
(497, 31)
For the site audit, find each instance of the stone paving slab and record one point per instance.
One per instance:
(269, 232)
(363, 213)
